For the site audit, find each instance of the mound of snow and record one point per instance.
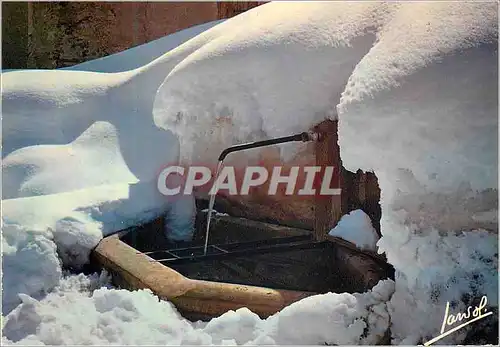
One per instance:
(76, 145)
(356, 227)
(86, 120)
(427, 110)
(277, 74)
(93, 159)
(42, 234)
(122, 317)
(56, 107)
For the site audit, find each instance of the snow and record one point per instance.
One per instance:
(36, 102)
(80, 160)
(439, 169)
(309, 58)
(416, 102)
(92, 159)
(37, 231)
(180, 219)
(105, 316)
(356, 227)
(215, 213)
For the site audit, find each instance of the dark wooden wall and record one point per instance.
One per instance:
(360, 190)
(58, 34)
(231, 9)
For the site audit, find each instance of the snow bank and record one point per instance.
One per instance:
(42, 234)
(356, 227)
(122, 317)
(427, 110)
(36, 102)
(91, 121)
(81, 156)
(75, 146)
(93, 159)
(276, 74)
(418, 106)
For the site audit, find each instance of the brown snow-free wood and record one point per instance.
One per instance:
(327, 208)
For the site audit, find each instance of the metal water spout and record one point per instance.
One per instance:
(302, 137)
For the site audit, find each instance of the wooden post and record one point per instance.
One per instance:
(361, 182)
(328, 208)
(30, 64)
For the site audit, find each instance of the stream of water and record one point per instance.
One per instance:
(211, 206)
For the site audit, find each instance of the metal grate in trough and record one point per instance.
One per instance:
(219, 251)
(261, 254)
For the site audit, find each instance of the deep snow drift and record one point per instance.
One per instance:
(416, 101)
(74, 222)
(122, 317)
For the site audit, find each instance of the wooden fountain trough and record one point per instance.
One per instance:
(251, 263)
(257, 265)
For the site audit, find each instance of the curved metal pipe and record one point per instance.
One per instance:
(303, 137)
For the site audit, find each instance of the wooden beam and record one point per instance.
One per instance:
(134, 270)
(328, 208)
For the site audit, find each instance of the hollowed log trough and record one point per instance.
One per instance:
(254, 264)
(265, 280)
